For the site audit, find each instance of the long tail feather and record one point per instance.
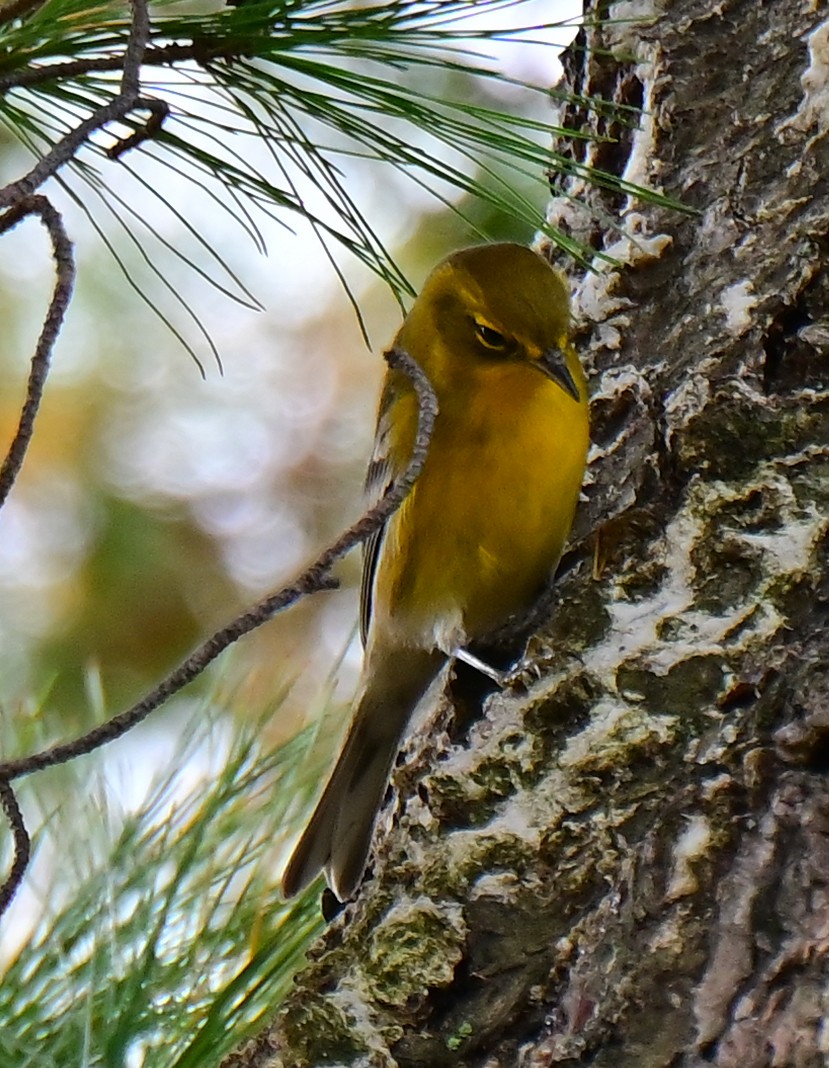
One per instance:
(338, 836)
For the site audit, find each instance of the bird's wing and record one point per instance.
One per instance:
(379, 477)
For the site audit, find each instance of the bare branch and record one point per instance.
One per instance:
(62, 294)
(74, 68)
(314, 579)
(22, 845)
(127, 99)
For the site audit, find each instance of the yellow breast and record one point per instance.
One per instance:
(481, 532)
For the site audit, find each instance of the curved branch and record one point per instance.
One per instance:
(313, 579)
(159, 110)
(62, 294)
(22, 845)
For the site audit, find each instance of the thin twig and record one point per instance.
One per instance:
(129, 96)
(314, 579)
(22, 845)
(159, 110)
(163, 56)
(62, 294)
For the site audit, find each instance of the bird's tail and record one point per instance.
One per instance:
(338, 837)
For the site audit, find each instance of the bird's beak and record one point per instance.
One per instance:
(553, 365)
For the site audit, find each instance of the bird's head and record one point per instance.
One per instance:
(489, 304)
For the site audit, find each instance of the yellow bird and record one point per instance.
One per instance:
(481, 532)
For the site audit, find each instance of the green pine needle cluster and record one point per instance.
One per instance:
(163, 939)
(273, 103)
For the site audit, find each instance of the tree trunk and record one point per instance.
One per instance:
(628, 862)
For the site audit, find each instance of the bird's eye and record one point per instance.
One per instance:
(489, 337)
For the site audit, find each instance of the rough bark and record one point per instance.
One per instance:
(628, 863)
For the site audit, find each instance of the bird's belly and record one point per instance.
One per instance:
(480, 534)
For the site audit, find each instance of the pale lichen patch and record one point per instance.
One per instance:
(813, 110)
(502, 885)
(691, 846)
(517, 826)
(681, 618)
(344, 1024)
(634, 624)
(414, 949)
(595, 301)
(690, 396)
(636, 246)
(614, 728)
(643, 162)
(737, 302)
